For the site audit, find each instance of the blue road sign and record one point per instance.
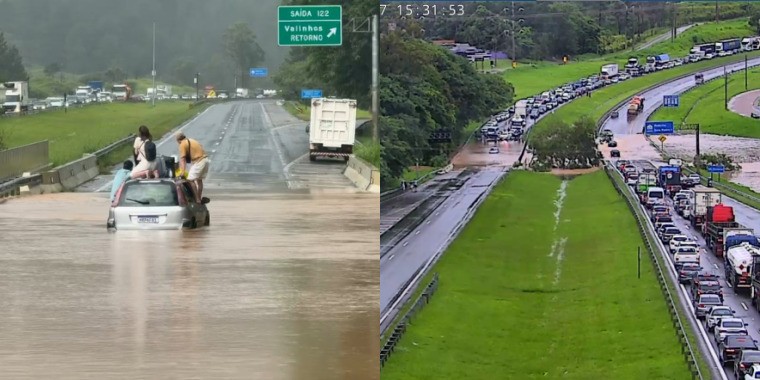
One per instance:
(308, 94)
(665, 169)
(716, 168)
(659, 128)
(259, 72)
(670, 101)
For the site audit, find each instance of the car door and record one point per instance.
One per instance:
(196, 209)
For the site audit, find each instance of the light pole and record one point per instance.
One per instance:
(197, 78)
(153, 72)
(375, 64)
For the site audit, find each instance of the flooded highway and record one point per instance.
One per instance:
(284, 284)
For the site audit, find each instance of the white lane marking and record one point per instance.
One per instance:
(275, 141)
(405, 243)
(391, 257)
(428, 222)
(162, 142)
(715, 265)
(287, 167)
(216, 143)
(436, 214)
(744, 306)
(213, 151)
(417, 233)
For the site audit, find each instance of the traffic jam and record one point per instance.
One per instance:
(679, 205)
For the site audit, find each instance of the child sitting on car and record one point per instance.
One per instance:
(122, 175)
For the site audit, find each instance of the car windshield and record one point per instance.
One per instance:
(751, 356)
(672, 231)
(715, 300)
(690, 267)
(721, 312)
(733, 324)
(153, 194)
(740, 342)
(711, 287)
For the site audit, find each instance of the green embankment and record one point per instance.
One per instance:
(520, 299)
(706, 105)
(603, 99)
(43, 85)
(533, 78)
(87, 129)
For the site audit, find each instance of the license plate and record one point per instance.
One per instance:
(147, 219)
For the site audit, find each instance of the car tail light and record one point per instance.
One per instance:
(730, 350)
(741, 365)
(700, 305)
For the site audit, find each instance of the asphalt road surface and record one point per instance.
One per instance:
(738, 302)
(282, 285)
(402, 262)
(653, 99)
(255, 146)
(663, 37)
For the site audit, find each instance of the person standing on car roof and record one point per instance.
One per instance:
(145, 154)
(191, 152)
(121, 176)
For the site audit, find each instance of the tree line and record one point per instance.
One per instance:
(342, 71)
(542, 31)
(425, 88)
(192, 36)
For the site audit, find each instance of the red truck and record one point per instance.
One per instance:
(717, 219)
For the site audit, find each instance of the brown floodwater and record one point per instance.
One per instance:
(279, 287)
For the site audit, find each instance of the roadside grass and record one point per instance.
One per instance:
(533, 78)
(87, 129)
(60, 83)
(303, 111)
(706, 105)
(369, 152)
(498, 310)
(603, 99)
(412, 173)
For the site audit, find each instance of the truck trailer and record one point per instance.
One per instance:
(332, 129)
(609, 71)
(738, 265)
(718, 224)
(16, 97)
(702, 197)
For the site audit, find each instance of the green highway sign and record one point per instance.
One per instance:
(310, 25)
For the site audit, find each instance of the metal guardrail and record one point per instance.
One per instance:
(16, 161)
(114, 146)
(12, 187)
(651, 247)
(400, 328)
(424, 270)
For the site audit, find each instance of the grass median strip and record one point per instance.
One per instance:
(533, 78)
(87, 129)
(604, 99)
(706, 105)
(542, 282)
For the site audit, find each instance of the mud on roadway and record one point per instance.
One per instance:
(282, 285)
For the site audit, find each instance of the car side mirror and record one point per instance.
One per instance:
(205, 200)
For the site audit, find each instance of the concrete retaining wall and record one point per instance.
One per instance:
(67, 177)
(363, 175)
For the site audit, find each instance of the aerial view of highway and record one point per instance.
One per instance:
(491, 255)
(256, 259)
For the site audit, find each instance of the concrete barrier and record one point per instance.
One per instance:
(67, 177)
(364, 176)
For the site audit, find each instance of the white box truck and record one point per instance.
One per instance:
(609, 71)
(332, 128)
(16, 97)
